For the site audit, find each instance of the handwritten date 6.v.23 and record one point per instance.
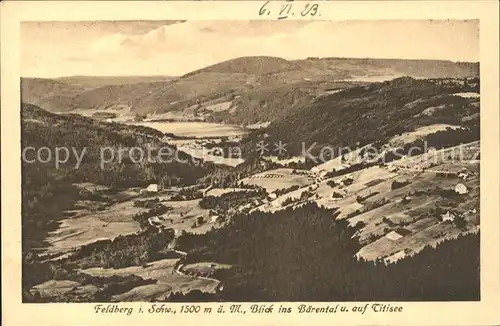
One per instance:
(286, 9)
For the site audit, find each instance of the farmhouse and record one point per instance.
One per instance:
(347, 180)
(406, 199)
(393, 235)
(461, 189)
(393, 168)
(448, 217)
(418, 168)
(152, 187)
(339, 194)
(323, 174)
(257, 202)
(178, 232)
(398, 234)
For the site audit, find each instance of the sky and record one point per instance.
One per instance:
(173, 48)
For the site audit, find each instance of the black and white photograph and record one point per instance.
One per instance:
(250, 161)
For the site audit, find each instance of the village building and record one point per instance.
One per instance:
(406, 199)
(397, 234)
(152, 187)
(461, 189)
(448, 217)
(393, 168)
(393, 235)
(273, 196)
(342, 193)
(265, 165)
(154, 221)
(35, 293)
(323, 174)
(418, 168)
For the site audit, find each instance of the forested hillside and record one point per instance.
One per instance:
(48, 190)
(372, 113)
(312, 256)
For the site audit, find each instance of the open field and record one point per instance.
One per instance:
(184, 215)
(280, 202)
(224, 106)
(278, 179)
(107, 224)
(204, 268)
(163, 272)
(467, 154)
(221, 191)
(284, 162)
(370, 199)
(468, 94)
(203, 153)
(53, 288)
(409, 137)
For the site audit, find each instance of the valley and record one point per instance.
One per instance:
(375, 185)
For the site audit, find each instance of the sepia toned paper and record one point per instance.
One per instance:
(146, 41)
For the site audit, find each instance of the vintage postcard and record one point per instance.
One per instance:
(276, 163)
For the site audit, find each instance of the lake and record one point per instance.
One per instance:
(195, 129)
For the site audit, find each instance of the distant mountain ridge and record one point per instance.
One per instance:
(377, 112)
(252, 85)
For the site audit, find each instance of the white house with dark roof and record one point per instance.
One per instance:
(152, 187)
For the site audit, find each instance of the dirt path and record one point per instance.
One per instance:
(178, 269)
